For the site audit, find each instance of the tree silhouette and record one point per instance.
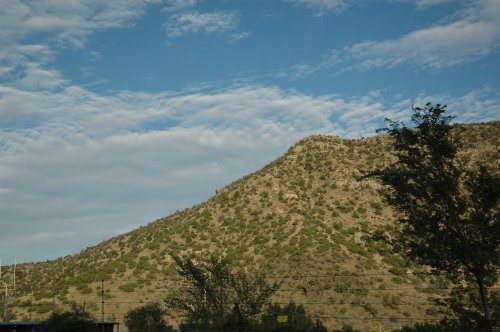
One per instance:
(76, 319)
(147, 318)
(449, 206)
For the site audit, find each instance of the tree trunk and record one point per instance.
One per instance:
(484, 302)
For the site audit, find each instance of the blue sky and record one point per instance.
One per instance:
(115, 113)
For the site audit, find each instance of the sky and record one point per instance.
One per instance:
(119, 112)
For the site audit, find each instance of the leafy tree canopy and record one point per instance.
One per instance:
(76, 319)
(216, 297)
(147, 318)
(449, 206)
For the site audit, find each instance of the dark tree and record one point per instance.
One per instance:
(148, 318)
(217, 298)
(77, 320)
(449, 206)
(297, 320)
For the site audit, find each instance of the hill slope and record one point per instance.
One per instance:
(304, 219)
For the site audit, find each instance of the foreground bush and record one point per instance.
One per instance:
(148, 318)
(75, 320)
(297, 320)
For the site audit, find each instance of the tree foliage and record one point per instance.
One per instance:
(147, 318)
(217, 298)
(449, 206)
(75, 320)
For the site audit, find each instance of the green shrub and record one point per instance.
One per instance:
(128, 287)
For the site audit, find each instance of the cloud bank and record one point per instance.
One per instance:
(81, 160)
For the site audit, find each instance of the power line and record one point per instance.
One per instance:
(311, 289)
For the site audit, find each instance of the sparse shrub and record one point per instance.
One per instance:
(84, 288)
(390, 301)
(42, 307)
(128, 287)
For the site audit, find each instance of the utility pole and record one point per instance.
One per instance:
(6, 304)
(5, 295)
(8, 283)
(1, 282)
(102, 305)
(15, 263)
(31, 307)
(53, 300)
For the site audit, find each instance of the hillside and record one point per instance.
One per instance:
(304, 220)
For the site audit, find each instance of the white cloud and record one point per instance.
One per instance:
(470, 34)
(476, 106)
(176, 5)
(36, 78)
(97, 164)
(18, 55)
(193, 22)
(66, 21)
(12, 16)
(424, 4)
(24, 63)
(240, 35)
(26, 66)
(324, 5)
(444, 45)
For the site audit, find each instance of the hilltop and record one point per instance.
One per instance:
(305, 219)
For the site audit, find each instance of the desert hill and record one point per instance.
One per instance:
(305, 220)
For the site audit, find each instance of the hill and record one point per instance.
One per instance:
(305, 219)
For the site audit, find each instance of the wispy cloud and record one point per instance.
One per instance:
(444, 45)
(240, 35)
(336, 6)
(176, 5)
(193, 22)
(26, 64)
(37, 78)
(424, 4)
(81, 160)
(471, 34)
(66, 21)
(324, 5)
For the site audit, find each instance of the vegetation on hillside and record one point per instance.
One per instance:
(304, 220)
